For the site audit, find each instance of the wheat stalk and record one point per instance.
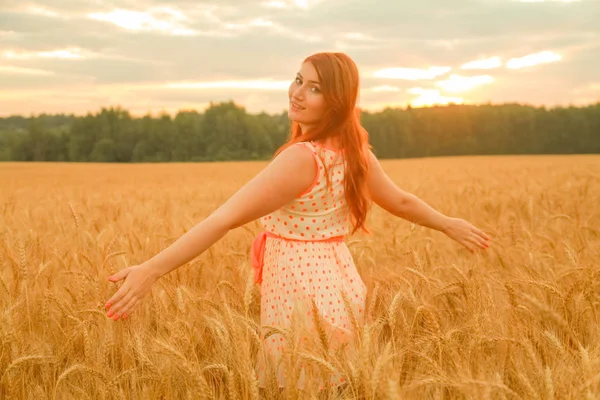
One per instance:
(548, 383)
(373, 301)
(319, 325)
(459, 326)
(75, 216)
(350, 312)
(381, 361)
(25, 360)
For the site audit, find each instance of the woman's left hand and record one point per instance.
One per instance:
(138, 282)
(467, 234)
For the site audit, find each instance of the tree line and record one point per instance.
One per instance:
(225, 131)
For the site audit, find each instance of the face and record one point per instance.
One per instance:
(307, 104)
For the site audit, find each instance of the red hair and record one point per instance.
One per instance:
(339, 79)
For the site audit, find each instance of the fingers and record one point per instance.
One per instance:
(479, 235)
(136, 283)
(119, 275)
(117, 297)
(486, 239)
(468, 245)
(115, 310)
(129, 307)
(482, 234)
(123, 308)
(480, 241)
(477, 241)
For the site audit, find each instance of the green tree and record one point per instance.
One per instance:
(105, 150)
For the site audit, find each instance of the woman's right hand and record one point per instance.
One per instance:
(466, 234)
(137, 282)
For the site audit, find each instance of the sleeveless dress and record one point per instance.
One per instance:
(301, 257)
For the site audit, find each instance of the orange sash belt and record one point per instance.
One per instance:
(257, 252)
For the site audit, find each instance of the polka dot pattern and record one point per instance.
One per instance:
(321, 212)
(309, 268)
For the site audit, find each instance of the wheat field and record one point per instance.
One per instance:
(516, 321)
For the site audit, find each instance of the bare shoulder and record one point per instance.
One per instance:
(383, 191)
(374, 162)
(294, 167)
(297, 158)
(299, 152)
(376, 176)
(287, 176)
(372, 156)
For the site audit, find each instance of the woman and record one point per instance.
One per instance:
(319, 183)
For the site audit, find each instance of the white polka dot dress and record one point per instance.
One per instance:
(302, 256)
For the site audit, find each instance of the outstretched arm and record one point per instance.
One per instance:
(396, 201)
(285, 178)
(291, 173)
(408, 206)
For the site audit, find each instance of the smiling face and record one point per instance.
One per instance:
(307, 103)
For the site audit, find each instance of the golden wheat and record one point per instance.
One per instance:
(520, 320)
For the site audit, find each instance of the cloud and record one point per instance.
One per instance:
(68, 54)
(429, 97)
(533, 59)
(460, 84)
(165, 20)
(357, 36)
(412, 74)
(303, 4)
(541, 1)
(34, 9)
(384, 88)
(248, 84)
(588, 89)
(274, 4)
(488, 63)
(272, 27)
(155, 54)
(12, 70)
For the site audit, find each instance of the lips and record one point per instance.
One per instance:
(297, 106)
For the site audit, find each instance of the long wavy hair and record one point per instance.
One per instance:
(339, 79)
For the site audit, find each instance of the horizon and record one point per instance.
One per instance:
(77, 57)
(158, 113)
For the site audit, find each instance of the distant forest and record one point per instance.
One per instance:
(225, 131)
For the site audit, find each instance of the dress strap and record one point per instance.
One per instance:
(318, 164)
(309, 145)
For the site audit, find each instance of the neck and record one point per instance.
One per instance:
(305, 128)
(332, 143)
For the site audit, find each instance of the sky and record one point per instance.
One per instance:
(153, 56)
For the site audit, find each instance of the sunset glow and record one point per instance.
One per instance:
(533, 59)
(146, 21)
(429, 97)
(412, 74)
(459, 84)
(258, 22)
(384, 88)
(274, 4)
(548, 1)
(11, 70)
(488, 63)
(250, 84)
(34, 9)
(154, 55)
(71, 54)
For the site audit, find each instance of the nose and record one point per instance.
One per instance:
(298, 94)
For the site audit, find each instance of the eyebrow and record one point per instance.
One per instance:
(301, 77)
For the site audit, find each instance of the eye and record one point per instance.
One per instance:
(298, 81)
(315, 89)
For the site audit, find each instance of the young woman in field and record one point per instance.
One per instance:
(317, 189)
